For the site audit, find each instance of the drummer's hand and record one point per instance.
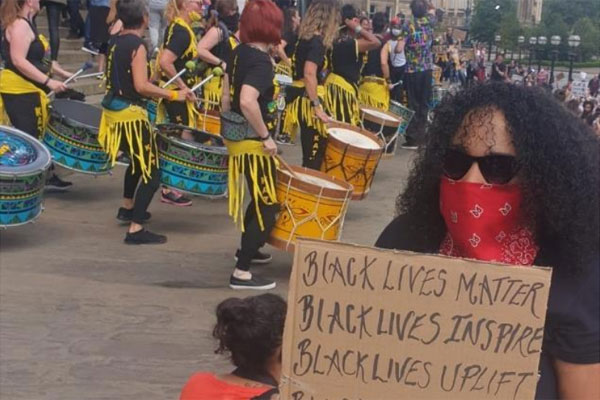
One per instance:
(270, 146)
(351, 23)
(391, 86)
(56, 86)
(186, 95)
(322, 115)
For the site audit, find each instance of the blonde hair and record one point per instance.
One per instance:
(322, 18)
(9, 11)
(172, 10)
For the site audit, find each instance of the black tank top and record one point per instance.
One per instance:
(35, 54)
(373, 64)
(119, 78)
(345, 60)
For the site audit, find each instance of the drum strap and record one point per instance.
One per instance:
(12, 83)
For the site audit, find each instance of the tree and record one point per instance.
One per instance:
(590, 37)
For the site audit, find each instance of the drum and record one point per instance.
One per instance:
(24, 162)
(151, 107)
(383, 124)
(438, 93)
(197, 167)
(209, 121)
(352, 155)
(404, 113)
(312, 206)
(72, 137)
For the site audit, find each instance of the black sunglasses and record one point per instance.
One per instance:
(496, 169)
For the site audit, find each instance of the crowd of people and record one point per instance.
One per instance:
(488, 146)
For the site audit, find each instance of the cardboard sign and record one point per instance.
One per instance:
(579, 88)
(364, 323)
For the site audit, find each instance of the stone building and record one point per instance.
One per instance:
(529, 12)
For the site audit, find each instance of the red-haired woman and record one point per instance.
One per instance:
(248, 90)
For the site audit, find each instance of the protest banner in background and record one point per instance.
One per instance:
(372, 324)
(579, 88)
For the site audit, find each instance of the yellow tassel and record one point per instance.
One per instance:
(12, 83)
(374, 93)
(341, 100)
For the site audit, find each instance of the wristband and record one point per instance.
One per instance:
(265, 138)
(46, 81)
(173, 95)
(358, 29)
(315, 103)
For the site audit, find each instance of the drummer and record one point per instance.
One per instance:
(248, 90)
(179, 48)
(317, 32)
(373, 90)
(124, 124)
(26, 76)
(215, 47)
(341, 85)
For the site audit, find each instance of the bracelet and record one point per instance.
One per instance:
(173, 95)
(358, 29)
(264, 138)
(46, 81)
(315, 103)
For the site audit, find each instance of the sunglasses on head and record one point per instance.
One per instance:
(496, 169)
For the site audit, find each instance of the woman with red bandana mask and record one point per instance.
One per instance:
(509, 175)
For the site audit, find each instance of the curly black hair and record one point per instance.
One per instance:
(251, 329)
(559, 158)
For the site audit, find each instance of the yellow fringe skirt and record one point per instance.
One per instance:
(341, 100)
(212, 92)
(131, 124)
(12, 83)
(374, 92)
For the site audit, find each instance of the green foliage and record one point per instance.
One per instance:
(590, 37)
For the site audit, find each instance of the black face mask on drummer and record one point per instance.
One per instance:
(231, 22)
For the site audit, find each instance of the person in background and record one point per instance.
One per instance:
(76, 25)
(341, 85)
(215, 47)
(594, 86)
(158, 22)
(53, 11)
(499, 70)
(513, 152)
(100, 29)
(374, 88)
(588, 112)
(124, 125)
(250, 330)
(27, 75)
(393, 61)
(449, 39)
(542, 78)
(249, 90)
(317, 32)
(573, 106)
(365, 23)
(417, 34)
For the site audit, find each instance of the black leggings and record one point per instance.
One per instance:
(418, 90)
(145, 190)
(53, 10)
(253, 238)
(21, 110)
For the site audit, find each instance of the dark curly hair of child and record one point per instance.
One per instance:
(250, 329)
(558, 155)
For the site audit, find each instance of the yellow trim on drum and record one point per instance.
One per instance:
(23, 196)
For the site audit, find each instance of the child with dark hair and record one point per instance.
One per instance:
(251, 331)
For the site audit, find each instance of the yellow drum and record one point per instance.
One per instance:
(352, 155)
(210, 122)
(313, 205)
(383, 124)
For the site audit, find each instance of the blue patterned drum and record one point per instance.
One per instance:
(72, 137)
(197, 167)
(24, 162)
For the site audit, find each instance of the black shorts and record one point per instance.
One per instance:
(99, 33)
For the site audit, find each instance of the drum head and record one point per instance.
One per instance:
(202, 139)
(354, 138)
(283, 80)
(380, 116)
(81, 113)
(21, 154)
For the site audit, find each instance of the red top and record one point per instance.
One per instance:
(206, 386)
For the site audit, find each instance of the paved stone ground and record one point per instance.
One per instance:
(84, 316)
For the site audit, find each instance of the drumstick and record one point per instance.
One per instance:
(86, 65)
(188, 65)
(217, 71)
(286, 166)
(93, 75)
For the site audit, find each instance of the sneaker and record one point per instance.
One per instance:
(88, 48)
(123, 159)
(175, 198)
(284, 139)
(254, 283)
(259, 257)
(144, 237)
(126, 215)
(55, 183)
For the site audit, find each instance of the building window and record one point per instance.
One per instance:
(388, 12)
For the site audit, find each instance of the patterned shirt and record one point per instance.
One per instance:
(418, 35)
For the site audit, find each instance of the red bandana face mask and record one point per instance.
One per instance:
(484, 223)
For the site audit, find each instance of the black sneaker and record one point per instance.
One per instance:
(55, 183)
(126, 215)
(254, 283)
(145, 237)
(175, 198)
(123, 159)
(88, 48)
(283, 139)
(259, 257)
